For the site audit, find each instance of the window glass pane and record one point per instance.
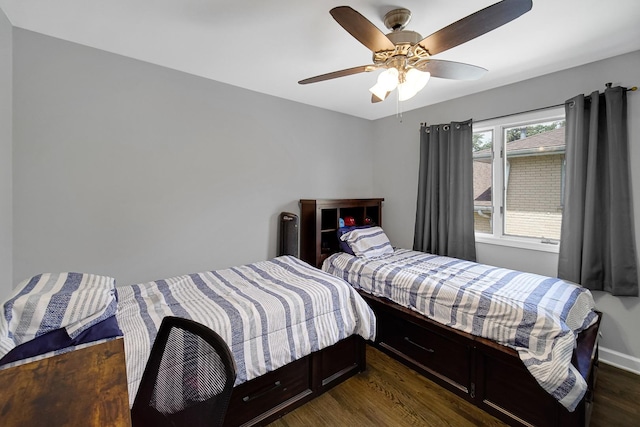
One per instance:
(534, 177)
(483, 181)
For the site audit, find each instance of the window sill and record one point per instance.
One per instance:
(514, 242)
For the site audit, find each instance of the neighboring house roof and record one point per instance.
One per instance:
(482, 183)
(547, 142)
(550, 142)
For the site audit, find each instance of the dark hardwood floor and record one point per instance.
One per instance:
(617, 398)
(390, 394)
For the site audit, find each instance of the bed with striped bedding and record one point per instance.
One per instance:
(270, 313)
(537, 316)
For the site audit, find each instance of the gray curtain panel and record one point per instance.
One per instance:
(444, 213)
(597, 243)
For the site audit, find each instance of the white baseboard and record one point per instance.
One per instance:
(620, 360)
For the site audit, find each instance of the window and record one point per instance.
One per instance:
(518, 173)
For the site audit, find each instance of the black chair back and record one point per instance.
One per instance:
(188, 378)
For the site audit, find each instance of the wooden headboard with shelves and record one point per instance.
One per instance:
(319, 219)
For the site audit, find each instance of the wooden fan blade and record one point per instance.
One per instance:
(362, 29)
(336, 74)
(451, 70)
(375, 99)
(475, 25)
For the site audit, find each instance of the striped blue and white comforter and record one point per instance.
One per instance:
(537, 316)
(270, 313)
(49, 302)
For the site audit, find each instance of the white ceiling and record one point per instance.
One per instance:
(267, 46)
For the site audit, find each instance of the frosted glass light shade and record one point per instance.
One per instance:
(389, 78)
(415, 81)
(387, 81)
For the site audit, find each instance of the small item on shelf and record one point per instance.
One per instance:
(368, 221)
(340, 222)
(349, 221)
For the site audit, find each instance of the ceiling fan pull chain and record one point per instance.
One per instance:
(398, 107)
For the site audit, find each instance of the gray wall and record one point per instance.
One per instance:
(6, 262)
(140, 172)
(396, 174)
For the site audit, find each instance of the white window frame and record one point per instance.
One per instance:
(499, 165)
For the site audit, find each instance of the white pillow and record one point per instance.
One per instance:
(368, 242)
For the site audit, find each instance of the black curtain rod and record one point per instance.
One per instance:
(608, 85)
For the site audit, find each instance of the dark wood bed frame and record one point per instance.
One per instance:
(487, 374)
(482, 371)
(270, 396)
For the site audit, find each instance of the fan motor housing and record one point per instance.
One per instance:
(406, 46)
(404, 37)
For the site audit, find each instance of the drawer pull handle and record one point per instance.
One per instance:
(430, 350)
(250, 398)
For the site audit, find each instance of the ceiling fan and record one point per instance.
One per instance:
(407, 57)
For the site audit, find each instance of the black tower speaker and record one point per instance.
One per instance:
(288, 244)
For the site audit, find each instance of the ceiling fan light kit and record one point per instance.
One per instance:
(408, 82)
(406, 56)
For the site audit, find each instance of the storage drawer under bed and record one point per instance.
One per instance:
(251, 399)
(440, 355)
(263, 399)
(500, 378)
